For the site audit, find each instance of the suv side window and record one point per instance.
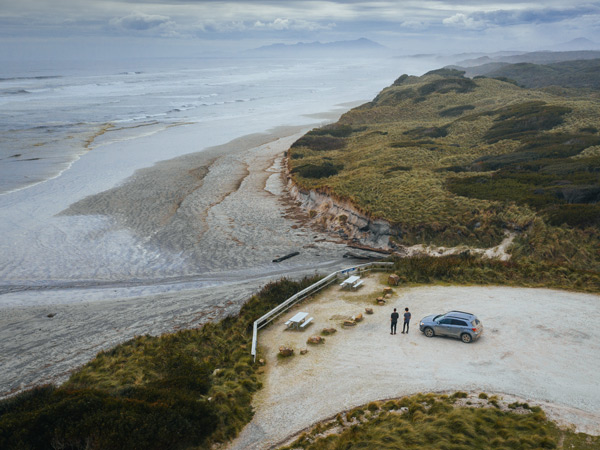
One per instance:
(459, 322)
(446, 322)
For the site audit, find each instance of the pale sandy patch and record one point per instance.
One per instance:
(539, 345)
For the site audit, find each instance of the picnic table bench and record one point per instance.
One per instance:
(306, 322)
(358, 284)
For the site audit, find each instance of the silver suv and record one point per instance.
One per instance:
(458, 324)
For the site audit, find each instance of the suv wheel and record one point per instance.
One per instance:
(428, 332)
(466, 338)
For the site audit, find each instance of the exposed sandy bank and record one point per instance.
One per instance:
(341, 217)
(538, 345)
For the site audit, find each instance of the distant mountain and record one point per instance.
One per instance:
(362, 46)
(573, 74)
(578, 44)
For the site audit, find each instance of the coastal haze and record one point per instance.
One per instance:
(142, 149)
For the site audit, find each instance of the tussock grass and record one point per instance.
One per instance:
(434, 422)
(469, 160)
(187, 389)
(468, 269)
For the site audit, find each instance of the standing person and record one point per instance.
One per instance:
(394, 320)
(406, 323)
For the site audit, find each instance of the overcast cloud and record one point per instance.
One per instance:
(63, 28)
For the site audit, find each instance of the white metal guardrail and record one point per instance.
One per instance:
(312, 289)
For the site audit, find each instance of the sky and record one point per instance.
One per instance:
(65, 29)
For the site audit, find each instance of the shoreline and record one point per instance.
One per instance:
(247, 226)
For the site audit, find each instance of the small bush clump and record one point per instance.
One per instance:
(455, 111)
(327, 169)
(320, 143)
(436, 423)
(525, 119)
(471, 269)
(446, 85)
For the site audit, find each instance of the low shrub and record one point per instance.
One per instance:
(446, 85)
(320, 143)
(438, 424)
(580, 216)
(460, 394)
(524, 119)
(335, 130)
(422, 132)
(466, 268)
(316, 171)
(401, 79)
(455, 111)
(447, 72)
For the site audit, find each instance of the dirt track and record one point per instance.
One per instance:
(538, 345)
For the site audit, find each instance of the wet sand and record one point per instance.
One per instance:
(223, 210)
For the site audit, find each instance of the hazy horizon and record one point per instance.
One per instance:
(84, 29)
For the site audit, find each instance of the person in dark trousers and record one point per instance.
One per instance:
(406, 320)
(394, 320)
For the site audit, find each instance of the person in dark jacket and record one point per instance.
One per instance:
(407, 316)
(394, 320)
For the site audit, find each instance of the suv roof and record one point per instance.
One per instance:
(460, 314)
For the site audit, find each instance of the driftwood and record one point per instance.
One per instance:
(283, 258)
(370, 249)
(355, 256)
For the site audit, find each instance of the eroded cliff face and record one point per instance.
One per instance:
(342, 218)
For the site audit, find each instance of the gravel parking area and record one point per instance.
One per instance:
(539, 345)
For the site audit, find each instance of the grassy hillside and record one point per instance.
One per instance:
(450, 160)
(572, 74)
(184, 390)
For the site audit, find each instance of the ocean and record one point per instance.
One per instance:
(50, 116)
(75, 130)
